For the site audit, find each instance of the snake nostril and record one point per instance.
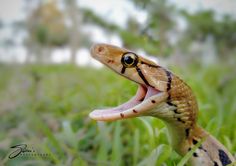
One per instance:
(100, 49)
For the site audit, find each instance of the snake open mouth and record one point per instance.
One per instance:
(133, 107)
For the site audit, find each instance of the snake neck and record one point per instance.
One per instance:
(183, 105)
(179, 112)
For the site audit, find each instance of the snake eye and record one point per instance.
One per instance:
(129, 59)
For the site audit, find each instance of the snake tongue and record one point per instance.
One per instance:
(110, 114)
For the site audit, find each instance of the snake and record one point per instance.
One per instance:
(163, 95)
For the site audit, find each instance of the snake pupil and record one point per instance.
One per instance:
(128, 59)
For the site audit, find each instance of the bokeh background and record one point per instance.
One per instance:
(49, 83)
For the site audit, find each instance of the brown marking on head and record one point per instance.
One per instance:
(110, 61)
(122, 115)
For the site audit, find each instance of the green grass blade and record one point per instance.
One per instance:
(185, 159)
(157, 157)
(117, 145)
(136, 148)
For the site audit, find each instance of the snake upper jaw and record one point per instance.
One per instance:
(145, 99)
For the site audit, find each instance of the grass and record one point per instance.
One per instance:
(47, 108)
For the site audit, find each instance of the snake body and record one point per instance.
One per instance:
(164, 95)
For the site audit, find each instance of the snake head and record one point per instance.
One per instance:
(152, 79)
(130, 65)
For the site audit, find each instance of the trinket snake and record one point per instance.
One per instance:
(163, 95)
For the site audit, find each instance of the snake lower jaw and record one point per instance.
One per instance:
(146, 98)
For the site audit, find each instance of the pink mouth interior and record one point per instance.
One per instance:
(142, 94)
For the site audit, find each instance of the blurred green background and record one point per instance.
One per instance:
(49, 83)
